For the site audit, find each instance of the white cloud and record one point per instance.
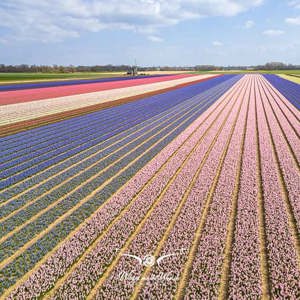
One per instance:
(249, 24)
(295, 3)
(294, 21)
(217, 44)
(155, 38)
(273, 32)
(55, 20)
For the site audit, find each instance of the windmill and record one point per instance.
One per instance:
(133, 71)
(134, 68)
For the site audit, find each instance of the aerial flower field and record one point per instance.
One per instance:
(167, 187)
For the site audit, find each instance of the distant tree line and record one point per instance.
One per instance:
(60, 69)
(267, 66)
(125, 68)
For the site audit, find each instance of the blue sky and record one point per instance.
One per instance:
(154, 32)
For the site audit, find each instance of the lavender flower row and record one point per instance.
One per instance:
(101, 128)
(23, 86)
(58, 193)
(287, 118)
(82, 140)
(70, 178)
(39, 163)
(289, 89)
(10, 114)
(81, 157)
(83, 166)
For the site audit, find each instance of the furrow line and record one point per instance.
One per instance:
(264, 259)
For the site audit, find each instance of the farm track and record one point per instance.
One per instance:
(205, 191)
(264, 265)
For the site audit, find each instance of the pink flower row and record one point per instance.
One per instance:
(282, 256)
(289, 123)
(204, 274)
(288, 164)
(245, 274)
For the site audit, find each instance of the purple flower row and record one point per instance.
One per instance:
(288, 88)
(245, 273)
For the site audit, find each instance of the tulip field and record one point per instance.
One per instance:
(181, 186)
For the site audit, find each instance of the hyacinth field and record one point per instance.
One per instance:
(163, 187)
